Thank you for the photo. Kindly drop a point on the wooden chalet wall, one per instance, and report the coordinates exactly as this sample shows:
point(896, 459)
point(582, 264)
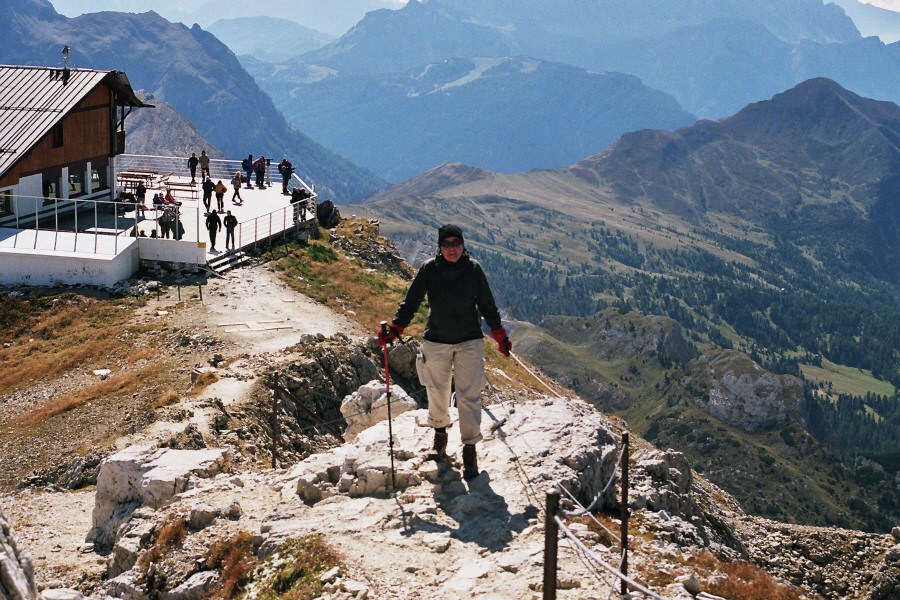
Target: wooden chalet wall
point(88, 135)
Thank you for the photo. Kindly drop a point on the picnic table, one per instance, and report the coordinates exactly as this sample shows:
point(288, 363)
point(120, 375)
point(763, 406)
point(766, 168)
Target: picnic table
point(129, 180)
point(166, 181)
point(177, 187)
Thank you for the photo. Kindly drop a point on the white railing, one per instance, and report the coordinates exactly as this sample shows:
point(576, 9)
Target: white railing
point(223, 169)
point(249, 233)
point(82, 218)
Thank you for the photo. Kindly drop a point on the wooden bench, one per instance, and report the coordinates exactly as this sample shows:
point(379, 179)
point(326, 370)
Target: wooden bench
point(177, 187)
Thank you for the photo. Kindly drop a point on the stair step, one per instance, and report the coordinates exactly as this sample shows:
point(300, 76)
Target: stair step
point(226, 262)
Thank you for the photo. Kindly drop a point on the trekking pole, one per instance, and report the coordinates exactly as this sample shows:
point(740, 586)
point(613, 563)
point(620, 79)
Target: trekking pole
point(387, 383)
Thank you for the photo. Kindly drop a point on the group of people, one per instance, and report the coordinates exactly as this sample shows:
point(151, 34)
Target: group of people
point(251, 167)
point(214, 225)
point(257, 167)
point(202, 161)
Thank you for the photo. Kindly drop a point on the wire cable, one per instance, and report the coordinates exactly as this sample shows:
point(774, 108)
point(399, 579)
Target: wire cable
point(532, 373)
point(631, 582)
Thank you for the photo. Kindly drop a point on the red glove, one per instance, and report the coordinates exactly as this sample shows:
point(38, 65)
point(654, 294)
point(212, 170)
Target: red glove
point(389, 334)
point(503, 342)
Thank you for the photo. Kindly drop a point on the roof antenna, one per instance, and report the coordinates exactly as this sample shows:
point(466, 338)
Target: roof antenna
point(65, 69)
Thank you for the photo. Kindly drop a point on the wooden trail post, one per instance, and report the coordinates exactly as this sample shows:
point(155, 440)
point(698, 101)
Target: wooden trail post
point(624, 514)
point(551, 538)
point(275, 432)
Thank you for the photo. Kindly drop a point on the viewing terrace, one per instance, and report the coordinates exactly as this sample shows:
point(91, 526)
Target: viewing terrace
point(101, 241)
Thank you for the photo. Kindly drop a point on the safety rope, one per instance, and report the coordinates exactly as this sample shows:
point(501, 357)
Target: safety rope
point(588, 552)
point(532, 373)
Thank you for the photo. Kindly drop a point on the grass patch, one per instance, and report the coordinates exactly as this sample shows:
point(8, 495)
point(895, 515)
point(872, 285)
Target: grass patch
point(302, 562)
point(371, 297)
point(235, 560)
point(167, 398)
point(204, 380)
point(741, 581)
point(166, 539)
point(847, 380)
point(124, 384)
point(51, 335)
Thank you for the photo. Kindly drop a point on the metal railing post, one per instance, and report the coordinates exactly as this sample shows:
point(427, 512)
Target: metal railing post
point(551, 538)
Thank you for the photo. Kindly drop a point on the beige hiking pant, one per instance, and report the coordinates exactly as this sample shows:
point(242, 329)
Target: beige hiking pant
point(463, 364)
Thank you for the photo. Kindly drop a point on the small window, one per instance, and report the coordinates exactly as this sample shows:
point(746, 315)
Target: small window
point(98, 178)
point(51, 190)
point(57, 135)
point(76, 184)
point(5, 202)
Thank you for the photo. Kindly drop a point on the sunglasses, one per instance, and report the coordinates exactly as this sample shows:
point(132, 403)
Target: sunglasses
point(451, 243)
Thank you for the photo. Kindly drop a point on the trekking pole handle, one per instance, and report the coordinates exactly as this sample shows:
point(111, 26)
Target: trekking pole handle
point(384, 328)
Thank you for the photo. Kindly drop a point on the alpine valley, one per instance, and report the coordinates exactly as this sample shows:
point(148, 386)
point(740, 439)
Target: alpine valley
point(730, 288)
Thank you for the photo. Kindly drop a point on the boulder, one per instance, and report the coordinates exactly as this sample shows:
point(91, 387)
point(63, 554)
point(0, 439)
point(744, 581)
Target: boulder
point(197, 587)
point(368, 405)
point(146, 476)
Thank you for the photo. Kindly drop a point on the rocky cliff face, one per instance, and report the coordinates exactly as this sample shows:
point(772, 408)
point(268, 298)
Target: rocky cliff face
point(743, 394)
point(16, 573)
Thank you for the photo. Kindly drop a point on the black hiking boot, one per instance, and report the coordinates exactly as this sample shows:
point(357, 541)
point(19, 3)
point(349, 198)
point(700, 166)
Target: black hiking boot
point(440, 444)
point(470, 462)
point(440, 441)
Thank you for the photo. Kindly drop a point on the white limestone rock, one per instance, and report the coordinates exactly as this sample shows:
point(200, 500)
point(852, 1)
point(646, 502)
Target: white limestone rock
point(16, 572)
point(61, 594)
point(146, 476)
point(745, 395)
point(368, 405)
point(198, 586)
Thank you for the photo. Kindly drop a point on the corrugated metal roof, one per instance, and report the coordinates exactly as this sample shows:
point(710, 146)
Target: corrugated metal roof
point(34, 99)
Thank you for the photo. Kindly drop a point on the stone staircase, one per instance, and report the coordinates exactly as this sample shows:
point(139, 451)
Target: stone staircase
point(228, 261)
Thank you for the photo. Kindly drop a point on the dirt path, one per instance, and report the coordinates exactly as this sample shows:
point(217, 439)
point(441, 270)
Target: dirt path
point(253, 316)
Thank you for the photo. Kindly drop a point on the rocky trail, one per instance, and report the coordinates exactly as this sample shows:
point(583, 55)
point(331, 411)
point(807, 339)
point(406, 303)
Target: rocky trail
point(429, 535)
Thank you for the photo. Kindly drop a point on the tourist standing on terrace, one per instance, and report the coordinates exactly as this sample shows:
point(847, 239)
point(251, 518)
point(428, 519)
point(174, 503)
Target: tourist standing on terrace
point(204, 164)
point(260, 167)
point(247, 165)
point(236, 184)
point(220, 190)
point(192, 166)
point(208, 187)
point(230, 223)
point(213, 225)
point(286, 169)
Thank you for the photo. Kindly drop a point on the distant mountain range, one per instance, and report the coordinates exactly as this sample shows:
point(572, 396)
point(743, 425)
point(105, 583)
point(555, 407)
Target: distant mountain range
point(799, 193)
point(713, 57)
point(405, 90)
point(328, 16)
point(505, 114)
point(188, 69)
point(872, 20)
point(268, 39)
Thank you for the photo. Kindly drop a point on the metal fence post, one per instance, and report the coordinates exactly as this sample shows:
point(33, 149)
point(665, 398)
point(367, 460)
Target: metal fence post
point(624, 513)
point(275, 432)
point(551, 537)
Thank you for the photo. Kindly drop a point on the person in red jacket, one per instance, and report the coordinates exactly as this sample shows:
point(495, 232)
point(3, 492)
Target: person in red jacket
point(452, 352)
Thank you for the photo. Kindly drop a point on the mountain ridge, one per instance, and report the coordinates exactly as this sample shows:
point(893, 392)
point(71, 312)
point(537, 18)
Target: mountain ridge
point(486, 111)
point(187, 68)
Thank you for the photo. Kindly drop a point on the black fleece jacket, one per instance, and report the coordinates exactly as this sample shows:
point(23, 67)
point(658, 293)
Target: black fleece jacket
point(458, 295)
